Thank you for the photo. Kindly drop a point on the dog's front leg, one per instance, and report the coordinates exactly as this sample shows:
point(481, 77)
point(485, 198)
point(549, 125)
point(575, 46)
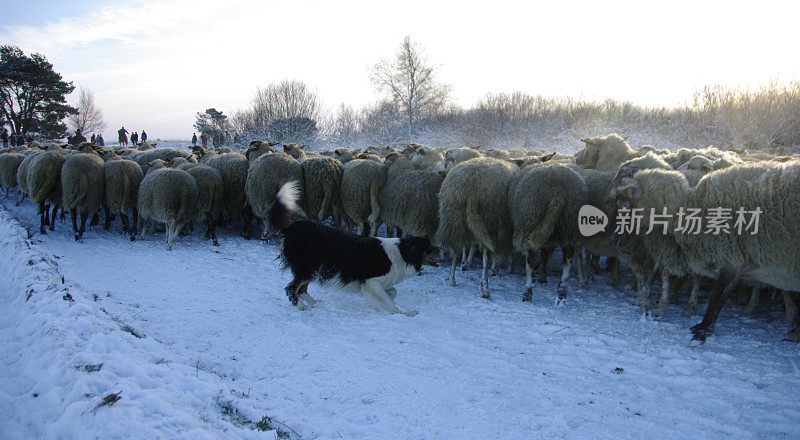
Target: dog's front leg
point(374, 290)
point(392, 292)
point(305, 297)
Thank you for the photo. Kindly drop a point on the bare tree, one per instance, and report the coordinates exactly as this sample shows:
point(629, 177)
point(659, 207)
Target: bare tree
point(411, 83)
point(344, 126)
point(89, 118)
point(283, 111)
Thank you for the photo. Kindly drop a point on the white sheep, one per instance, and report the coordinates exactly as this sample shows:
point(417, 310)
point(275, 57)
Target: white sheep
point(544, 201)
point(259, 148)
point(362, 182)
point(9, 164)
point(210, 197)
point(122, 180)
point(265, 177)
point(605, 153)
point(170, 196)
point(44, 185)
point(82, 186)
point(322, 177)
point(771, 256)
point(473, 207)
point(426, 157)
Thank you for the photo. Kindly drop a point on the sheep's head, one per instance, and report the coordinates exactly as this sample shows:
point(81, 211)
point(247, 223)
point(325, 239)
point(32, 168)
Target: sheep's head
point(587, 158)
point(199, 151)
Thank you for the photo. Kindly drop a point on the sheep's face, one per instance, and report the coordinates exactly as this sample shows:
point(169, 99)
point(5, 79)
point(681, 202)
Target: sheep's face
point(588, 157)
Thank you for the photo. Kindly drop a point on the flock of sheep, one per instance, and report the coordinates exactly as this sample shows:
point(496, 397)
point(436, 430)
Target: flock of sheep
point(501, 203)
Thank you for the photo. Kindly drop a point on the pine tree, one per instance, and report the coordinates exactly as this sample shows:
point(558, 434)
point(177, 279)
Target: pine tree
point(32, 94)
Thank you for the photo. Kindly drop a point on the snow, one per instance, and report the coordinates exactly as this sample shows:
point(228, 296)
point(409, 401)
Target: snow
point(219, 347)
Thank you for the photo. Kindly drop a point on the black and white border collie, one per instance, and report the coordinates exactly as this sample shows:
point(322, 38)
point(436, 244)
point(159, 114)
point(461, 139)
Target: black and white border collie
point(313, 250)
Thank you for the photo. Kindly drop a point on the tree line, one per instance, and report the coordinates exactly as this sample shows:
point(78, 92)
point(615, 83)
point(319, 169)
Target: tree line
point(417, 107)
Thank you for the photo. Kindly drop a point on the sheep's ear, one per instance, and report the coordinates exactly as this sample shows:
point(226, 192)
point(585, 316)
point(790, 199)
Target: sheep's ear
point(706, 168)
point(272, 144)
point(303, 146)
point(336, 151)
point(518, 162)
point(589, 142)
point(477, 147)
point(547, 157)
point(421, 150)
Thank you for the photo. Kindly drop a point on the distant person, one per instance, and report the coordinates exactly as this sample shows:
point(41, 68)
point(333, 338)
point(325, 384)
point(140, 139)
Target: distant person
point(134, 138)
point(123, 136)
point(93, 139)
point(144, 136)
point(76, 140)
point(13, 139)
point(4, 137)
point(100, 140)
point(204, 140)
point(194, 138)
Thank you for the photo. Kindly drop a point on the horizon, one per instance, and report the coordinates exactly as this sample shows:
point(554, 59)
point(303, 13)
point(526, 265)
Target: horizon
point(141, 59)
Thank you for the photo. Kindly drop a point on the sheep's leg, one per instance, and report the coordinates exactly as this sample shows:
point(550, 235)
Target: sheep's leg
point(133, 224)
point(84, 215)
point(742, 295)
point(107, 215)
point(547, 252)
point(593, 261)
point(247, 228)
point(373, 228)
point(612, 263)
point(511, 267)
point(17, 194)
point(485, 275)
point(569, 253)
point(529, 260)
point(95, 219)
point(639, 272)
point(170, 234)
point(579, 267)
point(663, 302)
point(753, 303)
point(469, 256)
point(652, 278)
point(791, 306)
point(360, 228)
point(690, 308)
point(725, 284)
point(125, 225)
point(211, 230)
point(451, 280)
point(53, 217)
point(495, 267)
point(42, 218)
point(73, 214)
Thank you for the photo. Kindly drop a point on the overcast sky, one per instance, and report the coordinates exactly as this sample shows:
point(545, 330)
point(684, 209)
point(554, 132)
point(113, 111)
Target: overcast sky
point(154, 64)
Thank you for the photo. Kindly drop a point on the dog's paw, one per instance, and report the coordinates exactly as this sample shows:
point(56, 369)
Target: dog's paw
point(411, 313)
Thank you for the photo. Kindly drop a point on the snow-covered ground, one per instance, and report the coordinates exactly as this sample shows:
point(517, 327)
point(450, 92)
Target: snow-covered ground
point(201, 343)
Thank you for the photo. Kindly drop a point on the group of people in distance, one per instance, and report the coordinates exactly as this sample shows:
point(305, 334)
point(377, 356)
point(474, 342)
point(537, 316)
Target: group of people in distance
point(135, 137)
point(14, 138)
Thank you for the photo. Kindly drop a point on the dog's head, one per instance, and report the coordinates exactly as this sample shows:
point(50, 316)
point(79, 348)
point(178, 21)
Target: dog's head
point(417, 251)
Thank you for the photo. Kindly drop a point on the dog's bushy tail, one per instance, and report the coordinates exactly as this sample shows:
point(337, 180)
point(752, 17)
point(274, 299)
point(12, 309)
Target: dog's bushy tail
point(280, 213)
